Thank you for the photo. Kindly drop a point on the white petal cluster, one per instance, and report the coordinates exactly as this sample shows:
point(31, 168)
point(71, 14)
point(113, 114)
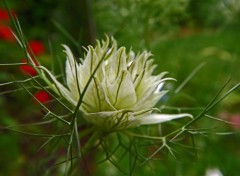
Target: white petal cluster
point(121, 88)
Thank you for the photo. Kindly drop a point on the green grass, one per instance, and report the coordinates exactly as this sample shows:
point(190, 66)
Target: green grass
point(181, 55)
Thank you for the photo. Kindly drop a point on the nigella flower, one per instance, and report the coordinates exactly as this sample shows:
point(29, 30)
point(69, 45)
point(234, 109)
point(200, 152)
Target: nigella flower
point(121, 88)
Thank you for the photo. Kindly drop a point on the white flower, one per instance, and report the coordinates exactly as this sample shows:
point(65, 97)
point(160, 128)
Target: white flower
point(213, 172)
point(121, 88)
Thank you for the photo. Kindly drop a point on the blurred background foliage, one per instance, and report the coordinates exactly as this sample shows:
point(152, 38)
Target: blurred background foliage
point(181, 34)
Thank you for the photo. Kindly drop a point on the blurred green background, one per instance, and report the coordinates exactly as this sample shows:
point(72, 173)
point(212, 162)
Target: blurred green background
point(181, 34)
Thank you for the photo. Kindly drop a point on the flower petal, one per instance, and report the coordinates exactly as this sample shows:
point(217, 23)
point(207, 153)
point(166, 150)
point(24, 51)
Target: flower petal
point(59, 87)
point(121, 93)
point(112, 119)
point(160, 118)
point(71, 70)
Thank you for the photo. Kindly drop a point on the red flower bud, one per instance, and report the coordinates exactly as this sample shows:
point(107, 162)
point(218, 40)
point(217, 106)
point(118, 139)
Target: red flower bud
point(36, 47)
point(27, 69)
point(4, 15)
point(42, 96)
point(6, 34)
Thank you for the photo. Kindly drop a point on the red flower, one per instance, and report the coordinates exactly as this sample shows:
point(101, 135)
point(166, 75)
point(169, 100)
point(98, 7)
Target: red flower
point(27, 69)
point(36, 47)
point(235, 118)
point(6, 34)
point(42, 96)
point(4, 15)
